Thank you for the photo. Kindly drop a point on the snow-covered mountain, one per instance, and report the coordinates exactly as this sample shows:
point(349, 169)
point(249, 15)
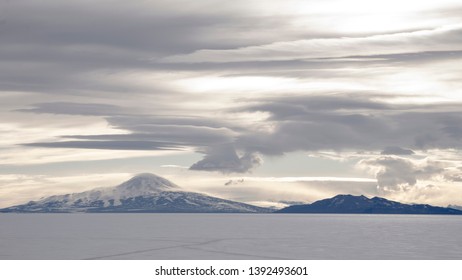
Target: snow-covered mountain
point(142, 193)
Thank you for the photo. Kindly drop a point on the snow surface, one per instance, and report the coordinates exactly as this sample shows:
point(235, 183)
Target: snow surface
point(229, 236)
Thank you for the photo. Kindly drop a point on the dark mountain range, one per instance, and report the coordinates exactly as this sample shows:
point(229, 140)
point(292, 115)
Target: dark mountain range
point(349, 204)
point(457, 207)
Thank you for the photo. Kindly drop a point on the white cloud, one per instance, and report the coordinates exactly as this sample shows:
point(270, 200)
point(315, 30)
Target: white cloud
point(438, 39)
point(395, 173)
point(309, 179)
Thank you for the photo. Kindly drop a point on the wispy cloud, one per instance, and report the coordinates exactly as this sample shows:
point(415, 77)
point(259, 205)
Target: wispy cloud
point(438, 39)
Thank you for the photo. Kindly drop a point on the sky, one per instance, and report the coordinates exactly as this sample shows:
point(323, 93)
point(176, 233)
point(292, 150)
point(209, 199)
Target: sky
point(266, 102)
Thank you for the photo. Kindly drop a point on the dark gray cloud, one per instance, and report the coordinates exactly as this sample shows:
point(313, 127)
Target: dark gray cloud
point(175, 135)
point(397, 151)
point(326, 68)
point(397, 174)
point(342, 122)
point(358, 122)
point(445, 38)
point(152, 27)
point(148, 123)
point(68, 108)
point(146, 132)
point(454, 175)
point(192, 132)
point(234, 182)
point(224, 158)
point(58, 46)
point(415, 57)
point(304, 104)
point(108, 145)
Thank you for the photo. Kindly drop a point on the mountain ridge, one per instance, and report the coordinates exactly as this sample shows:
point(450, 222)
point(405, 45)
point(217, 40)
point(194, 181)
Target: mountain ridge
point(350, 204)
point(457, 207)
point(149, 193)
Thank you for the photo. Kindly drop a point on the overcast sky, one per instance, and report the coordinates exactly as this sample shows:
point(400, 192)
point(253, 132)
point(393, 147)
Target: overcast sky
point(266, 102)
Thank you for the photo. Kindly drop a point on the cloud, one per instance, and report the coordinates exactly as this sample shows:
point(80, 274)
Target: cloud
point(393, 172)
point(438, 39)
point(397, 174)
point(351, 122)
point(274, 86)
point(173, 166)
point(234, 182)
point(107, 145)
point(454, 174)
point(224, 158)
point(70, 108)
point(397, 151)
point(337, 122)
point(48, 48)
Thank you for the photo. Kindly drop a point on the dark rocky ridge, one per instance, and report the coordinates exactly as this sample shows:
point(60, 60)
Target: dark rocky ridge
point(350, 204)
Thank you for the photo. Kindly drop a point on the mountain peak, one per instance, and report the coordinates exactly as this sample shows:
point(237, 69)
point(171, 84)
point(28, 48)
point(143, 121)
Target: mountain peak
point(150, 178)
point(346, 198)
point(147, 183)
point(340, 196)
point(147, 176)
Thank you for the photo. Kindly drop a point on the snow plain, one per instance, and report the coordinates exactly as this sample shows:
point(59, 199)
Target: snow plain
point(229, 236)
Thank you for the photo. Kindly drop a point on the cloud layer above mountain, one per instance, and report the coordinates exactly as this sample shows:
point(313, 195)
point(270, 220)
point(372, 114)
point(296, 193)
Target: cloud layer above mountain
point(228, 85)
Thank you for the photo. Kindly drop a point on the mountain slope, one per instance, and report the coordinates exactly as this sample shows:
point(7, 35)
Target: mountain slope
point(457, 207)
point(349, 204)
point(144, 193)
